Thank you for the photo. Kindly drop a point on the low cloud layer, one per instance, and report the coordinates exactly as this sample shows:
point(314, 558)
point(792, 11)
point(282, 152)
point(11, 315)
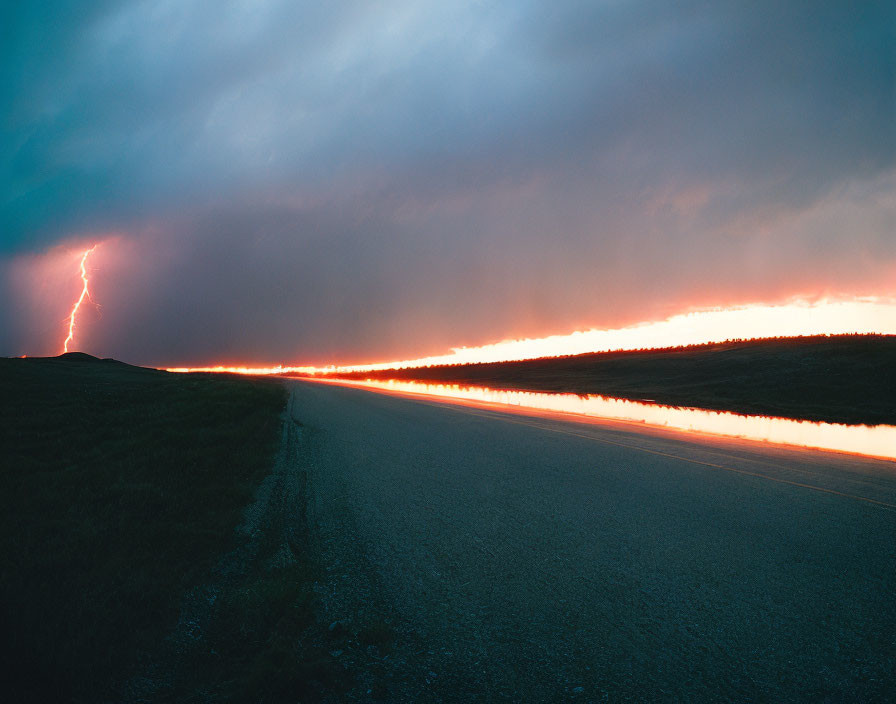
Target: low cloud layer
point(353, 181)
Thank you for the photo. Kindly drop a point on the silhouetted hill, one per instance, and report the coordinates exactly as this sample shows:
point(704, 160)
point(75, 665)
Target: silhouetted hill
point(840, 379)
point(81, 357)
point(77, 357)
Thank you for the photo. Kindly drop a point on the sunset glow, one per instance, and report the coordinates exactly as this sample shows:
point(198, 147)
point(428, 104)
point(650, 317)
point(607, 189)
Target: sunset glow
point(873, 441)
point(861, 315)
point(84, 294)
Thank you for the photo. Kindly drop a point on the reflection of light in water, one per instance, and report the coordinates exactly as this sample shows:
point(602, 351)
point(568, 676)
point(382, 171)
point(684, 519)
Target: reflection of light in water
point(869, 315)
point(876, 441)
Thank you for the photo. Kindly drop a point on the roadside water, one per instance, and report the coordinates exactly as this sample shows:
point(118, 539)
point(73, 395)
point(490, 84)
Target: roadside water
point(873, 441)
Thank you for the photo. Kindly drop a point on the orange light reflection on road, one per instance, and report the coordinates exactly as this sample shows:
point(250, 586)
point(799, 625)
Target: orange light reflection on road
point(863, 315)
point(873, 441)
point(84, 294)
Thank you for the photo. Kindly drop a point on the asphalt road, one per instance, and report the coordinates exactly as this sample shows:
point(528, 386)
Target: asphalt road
point(475, 555)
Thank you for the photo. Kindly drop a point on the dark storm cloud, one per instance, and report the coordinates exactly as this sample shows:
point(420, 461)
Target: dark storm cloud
point(345, 179)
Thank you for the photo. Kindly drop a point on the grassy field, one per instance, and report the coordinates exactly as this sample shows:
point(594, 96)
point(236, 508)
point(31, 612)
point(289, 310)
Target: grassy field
point(120, 490)
point(844, 379)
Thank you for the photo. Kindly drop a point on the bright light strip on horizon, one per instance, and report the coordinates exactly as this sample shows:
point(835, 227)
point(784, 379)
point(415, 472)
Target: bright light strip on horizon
point(874, 441)
point(862, 315)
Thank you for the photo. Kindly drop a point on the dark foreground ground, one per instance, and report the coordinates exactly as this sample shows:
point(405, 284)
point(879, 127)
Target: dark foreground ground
point(123, 574)
point(518, 558)
point(184, 538)
point(845, 379)
point(526, 559)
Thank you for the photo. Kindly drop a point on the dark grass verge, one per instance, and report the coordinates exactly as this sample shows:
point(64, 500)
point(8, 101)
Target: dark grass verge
point(120, 490)
point(251, 631)
point(258, 642)
point(840, 379)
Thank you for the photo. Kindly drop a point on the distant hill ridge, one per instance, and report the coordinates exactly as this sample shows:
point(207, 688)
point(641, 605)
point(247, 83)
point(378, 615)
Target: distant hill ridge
point(840, 379)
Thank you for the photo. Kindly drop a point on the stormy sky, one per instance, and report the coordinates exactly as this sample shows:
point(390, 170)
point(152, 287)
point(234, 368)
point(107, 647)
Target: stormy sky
point(277, 181)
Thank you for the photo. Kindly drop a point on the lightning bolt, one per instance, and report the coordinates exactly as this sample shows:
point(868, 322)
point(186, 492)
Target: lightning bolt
point(84, 294)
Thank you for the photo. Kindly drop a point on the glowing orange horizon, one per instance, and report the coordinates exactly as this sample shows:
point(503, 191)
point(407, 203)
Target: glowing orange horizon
point(871, 315)
point(84, 294)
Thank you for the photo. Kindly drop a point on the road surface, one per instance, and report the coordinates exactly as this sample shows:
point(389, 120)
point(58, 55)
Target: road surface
point(470, 554)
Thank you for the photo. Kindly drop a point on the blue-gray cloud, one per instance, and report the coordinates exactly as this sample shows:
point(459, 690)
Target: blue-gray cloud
point(375, 153)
